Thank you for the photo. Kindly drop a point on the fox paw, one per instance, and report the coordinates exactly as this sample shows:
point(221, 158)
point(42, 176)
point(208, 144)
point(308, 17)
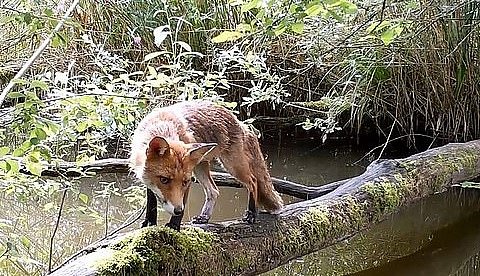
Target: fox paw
point(249, 217)
point(147, 223)
point(173, 226)
point(200, 219)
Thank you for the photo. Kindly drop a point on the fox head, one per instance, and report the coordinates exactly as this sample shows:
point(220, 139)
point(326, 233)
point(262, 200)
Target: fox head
point(168, 170)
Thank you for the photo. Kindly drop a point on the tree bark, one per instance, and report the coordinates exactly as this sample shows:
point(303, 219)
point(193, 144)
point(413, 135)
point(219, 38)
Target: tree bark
point(236, 248)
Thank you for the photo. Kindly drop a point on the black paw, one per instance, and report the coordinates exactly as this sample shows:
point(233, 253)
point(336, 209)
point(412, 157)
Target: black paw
point(249, 217)
point(147, 223)
point(200, 219)
point(173, 226)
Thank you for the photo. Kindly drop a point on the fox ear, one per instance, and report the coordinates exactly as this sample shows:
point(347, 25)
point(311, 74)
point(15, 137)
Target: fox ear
point(158, 146)
point(198, 151)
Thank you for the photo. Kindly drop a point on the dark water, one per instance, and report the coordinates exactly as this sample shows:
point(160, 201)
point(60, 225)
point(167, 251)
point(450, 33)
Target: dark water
point(436, 236)
point(438, 233)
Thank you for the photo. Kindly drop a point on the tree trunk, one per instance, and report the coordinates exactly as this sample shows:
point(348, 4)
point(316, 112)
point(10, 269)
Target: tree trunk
point(233, 247)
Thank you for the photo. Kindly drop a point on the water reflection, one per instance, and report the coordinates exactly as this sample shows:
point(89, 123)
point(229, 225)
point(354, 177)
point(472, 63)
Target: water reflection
point(453, 250)
point(430, 227)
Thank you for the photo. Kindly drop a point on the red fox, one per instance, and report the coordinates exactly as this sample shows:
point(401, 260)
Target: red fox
point(173, 142)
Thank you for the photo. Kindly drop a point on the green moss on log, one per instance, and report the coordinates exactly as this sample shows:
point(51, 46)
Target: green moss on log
point(317, 226)
point(157, 250)
point(385, 195)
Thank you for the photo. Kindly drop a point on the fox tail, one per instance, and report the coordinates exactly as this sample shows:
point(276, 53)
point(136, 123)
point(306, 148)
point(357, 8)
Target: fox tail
point(267, 196)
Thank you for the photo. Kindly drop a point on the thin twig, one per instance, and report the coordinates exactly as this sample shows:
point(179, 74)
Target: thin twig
point(38, 52)
point(386, 142)
point(396, 138)
point(106, 215)
point(52, 238)
point(130, 220)
point(5, 252)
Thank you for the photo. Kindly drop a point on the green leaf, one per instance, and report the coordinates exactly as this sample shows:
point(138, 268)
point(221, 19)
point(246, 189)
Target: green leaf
point(123, 120)
point(389, 35)
point(34, 156)
point(26, 145)
point(13, 166)
point(10, 189)
point(378, 26)
point(27, 18)
point(297, 27)
point(20, 81)
point(45, 152)
point(280, 29)
point(130, 117)
point(16, 95)
point(251, 5)
point(243, 28)
point(4, 151)
point(48, 12)
point(48, 206)
point(314, 10)
point(34, 167)
point(227, 36)
point(348, 7)
point(40, 133)
point(25, 241)
point(3, 166)
point(82, 126)
point(83, 197)
point(56, 41)
point(18, 152)
point(34, 141)
point(52, 128)
point(294, 8)
point(39, 84)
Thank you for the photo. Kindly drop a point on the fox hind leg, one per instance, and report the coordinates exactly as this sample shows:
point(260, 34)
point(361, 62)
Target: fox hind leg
point(239, 167)
point(251, 213)
point(202, 173)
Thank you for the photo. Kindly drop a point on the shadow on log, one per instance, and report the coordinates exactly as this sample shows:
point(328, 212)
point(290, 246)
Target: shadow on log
point(233, 247)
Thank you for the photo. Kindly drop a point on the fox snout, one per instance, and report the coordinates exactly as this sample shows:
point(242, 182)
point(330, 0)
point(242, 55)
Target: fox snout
point(178, 210)
point(174, 210)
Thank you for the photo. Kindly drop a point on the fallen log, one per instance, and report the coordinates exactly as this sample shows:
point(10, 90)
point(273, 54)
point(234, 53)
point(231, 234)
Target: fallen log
point(115, 165)
point(236, 248)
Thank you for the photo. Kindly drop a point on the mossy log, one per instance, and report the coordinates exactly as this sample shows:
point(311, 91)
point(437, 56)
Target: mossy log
point(236, 248)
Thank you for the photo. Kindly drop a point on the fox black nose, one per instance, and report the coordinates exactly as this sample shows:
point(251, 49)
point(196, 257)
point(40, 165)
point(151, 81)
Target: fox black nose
point(178, 210)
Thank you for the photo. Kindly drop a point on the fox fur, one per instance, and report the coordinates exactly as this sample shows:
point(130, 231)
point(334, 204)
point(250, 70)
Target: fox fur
point(172, 143)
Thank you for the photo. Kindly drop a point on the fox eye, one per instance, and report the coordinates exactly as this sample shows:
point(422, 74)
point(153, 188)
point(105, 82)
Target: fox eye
point(164, 180)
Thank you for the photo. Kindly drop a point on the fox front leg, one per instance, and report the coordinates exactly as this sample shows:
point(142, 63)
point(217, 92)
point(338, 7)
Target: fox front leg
point(202, 173)
point(175, 222)
point(151, 210)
